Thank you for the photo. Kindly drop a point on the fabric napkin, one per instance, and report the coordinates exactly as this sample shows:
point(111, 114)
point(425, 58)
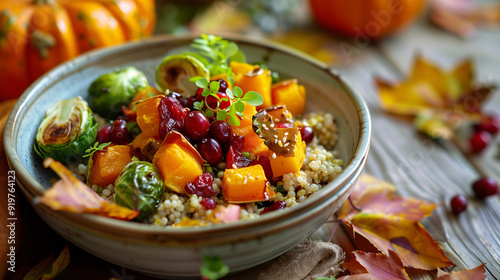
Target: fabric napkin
point(307, 261)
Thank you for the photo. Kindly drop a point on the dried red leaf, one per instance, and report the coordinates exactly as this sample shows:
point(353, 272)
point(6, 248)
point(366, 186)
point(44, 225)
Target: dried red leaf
point(70, 194)
point(477, 273)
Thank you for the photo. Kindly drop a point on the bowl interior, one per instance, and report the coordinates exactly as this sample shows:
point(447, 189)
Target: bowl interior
point(325, 93)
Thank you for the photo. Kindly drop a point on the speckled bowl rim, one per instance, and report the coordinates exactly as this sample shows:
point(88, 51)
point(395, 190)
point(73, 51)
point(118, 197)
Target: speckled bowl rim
point(111, 225)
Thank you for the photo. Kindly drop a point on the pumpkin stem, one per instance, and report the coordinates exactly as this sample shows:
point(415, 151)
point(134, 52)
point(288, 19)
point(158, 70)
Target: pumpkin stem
point(43, 2)
point(42, 42)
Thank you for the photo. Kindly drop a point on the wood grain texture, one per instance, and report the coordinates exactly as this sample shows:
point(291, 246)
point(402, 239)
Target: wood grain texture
point(427, 170)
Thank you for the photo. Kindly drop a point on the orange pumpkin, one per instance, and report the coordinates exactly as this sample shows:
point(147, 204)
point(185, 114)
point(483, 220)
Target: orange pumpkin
point(36, 35)
point(365, 19)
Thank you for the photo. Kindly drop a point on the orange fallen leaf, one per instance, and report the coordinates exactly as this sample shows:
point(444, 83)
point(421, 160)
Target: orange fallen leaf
point(50, 267)
point(440, 100)
point(477, 273)
point(376, 266)
point(392, 223)
point(71, 194)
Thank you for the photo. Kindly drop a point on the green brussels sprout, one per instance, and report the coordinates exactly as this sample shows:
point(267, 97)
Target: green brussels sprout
point(174, 72)
point(139, 186)
point(111, 91)
point(67, 131)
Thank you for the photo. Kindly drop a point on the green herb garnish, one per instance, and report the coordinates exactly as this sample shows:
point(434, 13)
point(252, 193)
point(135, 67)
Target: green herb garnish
point(213, 268)
point(232, 113)
point(97, 147)
point(281, 190)
point(218, 52)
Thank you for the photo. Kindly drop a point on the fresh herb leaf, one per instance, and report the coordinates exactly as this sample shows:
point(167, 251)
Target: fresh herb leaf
point(198, 105)
point(253, 98)
point(222, 115)
point(97, 147)
point(213, 268)
point(201, 82)
point(326, 278)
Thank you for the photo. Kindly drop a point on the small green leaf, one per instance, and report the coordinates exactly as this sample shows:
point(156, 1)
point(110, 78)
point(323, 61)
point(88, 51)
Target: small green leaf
point(229, 93)
point(201, 83)
point(198, 105)
point(239, 57)
point(213, 268)
point(97, 147)
point(326, 278)
point(281, 190)
point(253, 98)
point(209, 113)
point(214, 87)
point(231, 79)
point(237, 91)
point(239, 106)
point(233, 120)
point(230, 50)
point(221, 115)
point(206, 92)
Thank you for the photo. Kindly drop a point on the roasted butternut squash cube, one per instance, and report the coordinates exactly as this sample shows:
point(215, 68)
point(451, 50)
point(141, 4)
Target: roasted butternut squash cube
point(289, 164)
point(290, 94)
point(253, 143)
point(178, 161)
point(253, 78)
point(148, 116)
point(247, 184)
point(107, 164)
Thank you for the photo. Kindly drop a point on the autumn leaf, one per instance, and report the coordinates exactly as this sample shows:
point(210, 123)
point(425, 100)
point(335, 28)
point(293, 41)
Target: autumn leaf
point(376, 265)
point(392, 223)
point(477, 273)
point(50, 267)
point(438, 100)
point(70, 194)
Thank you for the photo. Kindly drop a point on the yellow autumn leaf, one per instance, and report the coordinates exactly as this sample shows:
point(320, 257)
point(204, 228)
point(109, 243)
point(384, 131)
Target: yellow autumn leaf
point(440, 99)
point(50, 267)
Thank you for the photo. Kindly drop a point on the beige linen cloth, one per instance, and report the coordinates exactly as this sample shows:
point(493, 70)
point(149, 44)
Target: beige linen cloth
point(307, 261)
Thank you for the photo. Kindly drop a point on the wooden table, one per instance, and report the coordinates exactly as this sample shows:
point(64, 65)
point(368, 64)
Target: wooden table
point(426, 170)
point(419, 167)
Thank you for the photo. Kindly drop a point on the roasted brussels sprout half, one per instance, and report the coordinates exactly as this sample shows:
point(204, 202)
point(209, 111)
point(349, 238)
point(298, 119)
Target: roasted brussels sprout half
point(139, 186)
point(111, 91)
point(175, 71)
point(67, 131)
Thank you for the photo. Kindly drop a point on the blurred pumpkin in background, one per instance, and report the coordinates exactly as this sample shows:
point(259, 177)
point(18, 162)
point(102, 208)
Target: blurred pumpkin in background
point(367, 18)
point(36, 35)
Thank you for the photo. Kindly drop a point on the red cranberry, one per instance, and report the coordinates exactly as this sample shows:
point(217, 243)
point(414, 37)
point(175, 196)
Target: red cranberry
point(479, 141)
point(237, 141)
point(278, 205)
point(489, 124)
point(208, 203)
point(220, 131)
point(222, 85)
point(235, 159)
point(119, 133)
point(307, 134)
point(103, 134)
point(264, 161)
point(196, 125)
point(210, 150)
point(202, 186)
point(458, 203)
point(212, 101)
point(485, 187)
point(166, 126)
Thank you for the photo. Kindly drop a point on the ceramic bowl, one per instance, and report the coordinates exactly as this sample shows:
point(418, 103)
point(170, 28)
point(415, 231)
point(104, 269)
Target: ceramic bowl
point(178, 252)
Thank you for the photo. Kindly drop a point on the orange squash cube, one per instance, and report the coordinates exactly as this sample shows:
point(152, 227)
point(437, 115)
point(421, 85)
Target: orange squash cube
point(253, 143)
point(107, 164)
point(248, 184)
point(290, 94)
point(283, 165)
point(178, 161)
point(253, 78)
point(148, 116)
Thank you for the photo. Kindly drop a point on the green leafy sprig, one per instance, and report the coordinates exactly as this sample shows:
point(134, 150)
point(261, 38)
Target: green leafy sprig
point(97, 147)
point(216, 53)
point(213, 268)
point(232, 113)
